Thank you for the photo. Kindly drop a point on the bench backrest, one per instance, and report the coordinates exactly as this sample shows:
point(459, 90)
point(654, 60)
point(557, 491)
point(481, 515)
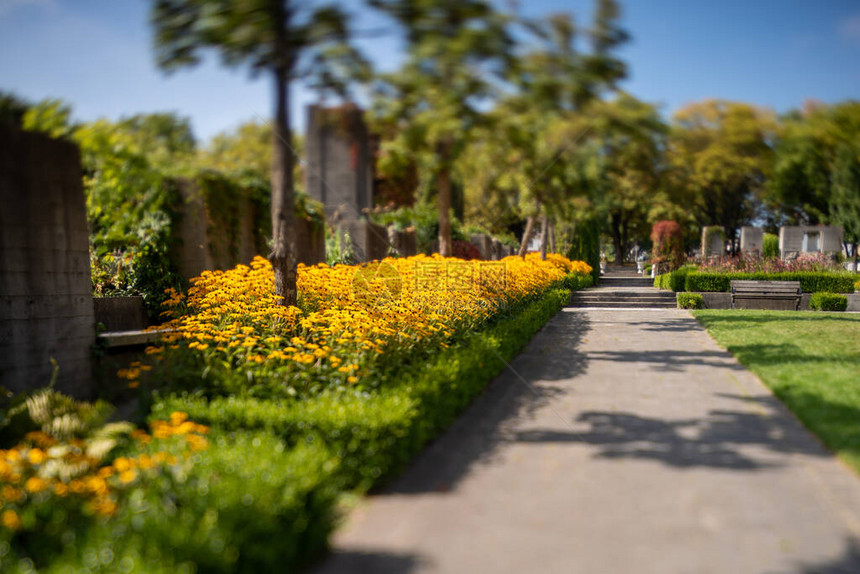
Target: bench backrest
point(746, 286)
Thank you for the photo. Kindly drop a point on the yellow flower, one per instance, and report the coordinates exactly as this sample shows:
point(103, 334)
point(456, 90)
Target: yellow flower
point(10, 519)
point(123, 464)
point(10, 493)
point(178, 417)
point(36, 456)
point(127, 476)
point(35, 484)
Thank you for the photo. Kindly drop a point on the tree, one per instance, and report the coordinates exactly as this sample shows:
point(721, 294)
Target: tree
point(12, 109)
point(720, 156)
point(631, 135)
point(534, 131)
point(433, 97)
point(285, 41)
point(813, 152)
point(845, 198)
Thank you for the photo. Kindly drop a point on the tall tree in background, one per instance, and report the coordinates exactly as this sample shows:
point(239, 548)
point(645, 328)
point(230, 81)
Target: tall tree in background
point(535, 130)
point(451, 45)
point(812, 152)
point(720, 154)
point(284, 39)
point(845, 198)
point(631, 136)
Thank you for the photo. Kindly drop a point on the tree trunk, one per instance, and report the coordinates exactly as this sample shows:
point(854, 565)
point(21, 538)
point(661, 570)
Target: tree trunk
point(551, 237)
point(527, 235)
point(616, 239)
point(283, 256)
point(544, 232)
point(445, 247)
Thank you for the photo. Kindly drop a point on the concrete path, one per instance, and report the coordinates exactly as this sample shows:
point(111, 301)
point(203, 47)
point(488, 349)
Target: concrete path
point(620, 441)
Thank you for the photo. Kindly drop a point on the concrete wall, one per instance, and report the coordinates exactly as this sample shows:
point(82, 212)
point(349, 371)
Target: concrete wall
point(339, 169)
point(310, 240)
point(752, 238)
point(404, 242)
point(46, 307)
point(201, 245)
point(484, 243)
point(369, 241)
point(120, 313)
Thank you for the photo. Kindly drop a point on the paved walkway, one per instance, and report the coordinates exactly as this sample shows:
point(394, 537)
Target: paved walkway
point(620, 441)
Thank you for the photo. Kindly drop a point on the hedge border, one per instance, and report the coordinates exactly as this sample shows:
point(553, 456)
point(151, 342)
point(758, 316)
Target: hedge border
point(810, 281)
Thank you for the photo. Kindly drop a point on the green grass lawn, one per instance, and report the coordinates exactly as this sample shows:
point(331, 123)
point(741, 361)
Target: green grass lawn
point(811, 361)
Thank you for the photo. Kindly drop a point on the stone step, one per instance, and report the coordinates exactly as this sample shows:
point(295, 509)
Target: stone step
point(610, 293)
point(630, 282)
point(624, 305)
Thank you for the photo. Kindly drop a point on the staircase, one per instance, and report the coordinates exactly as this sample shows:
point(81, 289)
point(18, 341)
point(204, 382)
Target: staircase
point(622, 287)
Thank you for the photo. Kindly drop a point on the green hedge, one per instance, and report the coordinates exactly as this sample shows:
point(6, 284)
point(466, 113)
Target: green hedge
point(690, 301)
point(373, 434)
point(674, 280)
point(810, 281)
point(823, 301)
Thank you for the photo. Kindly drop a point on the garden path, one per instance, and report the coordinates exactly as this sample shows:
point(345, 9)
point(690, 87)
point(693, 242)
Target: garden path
point(618, 441)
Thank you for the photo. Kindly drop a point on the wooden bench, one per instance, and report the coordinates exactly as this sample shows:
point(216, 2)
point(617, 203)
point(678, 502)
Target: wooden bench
point(776, 295)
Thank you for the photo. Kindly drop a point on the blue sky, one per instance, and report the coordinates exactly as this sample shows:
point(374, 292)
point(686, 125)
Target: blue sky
point(97, 55)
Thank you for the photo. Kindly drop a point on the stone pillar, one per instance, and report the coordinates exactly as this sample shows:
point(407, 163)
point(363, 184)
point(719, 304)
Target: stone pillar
point(496, 250)
point(713, 241)
point(46, 304)
point(484, 243)
point(752, 238)
point(339, 170)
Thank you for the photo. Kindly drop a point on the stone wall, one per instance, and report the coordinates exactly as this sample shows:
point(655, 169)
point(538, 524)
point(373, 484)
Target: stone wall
point(404, 242)
point(310, 240)
point(46, 307)
point(369, 242)
point(797, 239)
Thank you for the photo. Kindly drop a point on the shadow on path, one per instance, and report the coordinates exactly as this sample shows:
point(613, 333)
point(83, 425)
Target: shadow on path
point(524, 387)
point(673, 360)
point(847, 563)
point(714, 441)
point(358, 562)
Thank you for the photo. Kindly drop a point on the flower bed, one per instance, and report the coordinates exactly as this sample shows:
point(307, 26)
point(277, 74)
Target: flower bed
point(227, 335)
point(255, 489)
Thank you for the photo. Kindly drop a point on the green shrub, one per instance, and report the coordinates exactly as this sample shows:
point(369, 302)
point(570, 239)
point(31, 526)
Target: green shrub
point(690, 301)
point(823, 301)
point(576, 282)
point(770, 245)
point(585, 245)
point(810, 281)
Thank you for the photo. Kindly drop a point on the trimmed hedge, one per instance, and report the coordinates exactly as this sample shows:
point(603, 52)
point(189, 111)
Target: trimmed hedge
point(690, 301)
point(674, 280)
point(373, 434)
point(828, 302)
point(810, 281)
